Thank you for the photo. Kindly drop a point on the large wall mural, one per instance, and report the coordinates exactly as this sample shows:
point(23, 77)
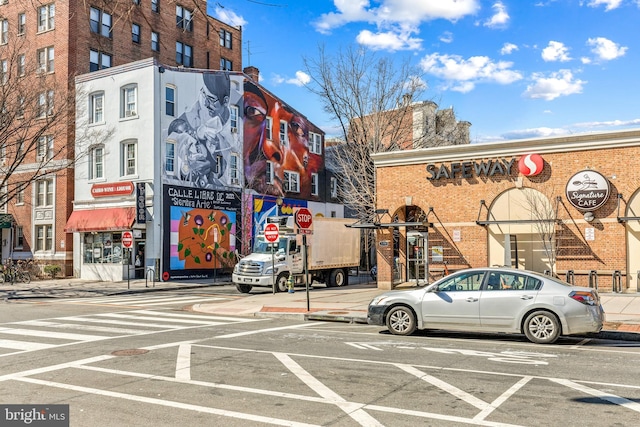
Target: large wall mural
point(284, 151)
point(204, 137)
point(200, 231)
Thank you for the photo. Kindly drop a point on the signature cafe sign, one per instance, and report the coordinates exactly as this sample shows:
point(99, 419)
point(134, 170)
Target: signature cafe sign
point(470, 169)
point(587, 190)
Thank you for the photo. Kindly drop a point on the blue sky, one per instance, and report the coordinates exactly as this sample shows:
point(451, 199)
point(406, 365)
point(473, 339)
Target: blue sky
point(513, 68)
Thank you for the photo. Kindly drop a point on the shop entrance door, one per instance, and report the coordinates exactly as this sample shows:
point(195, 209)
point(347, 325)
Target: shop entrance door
point(416, 256)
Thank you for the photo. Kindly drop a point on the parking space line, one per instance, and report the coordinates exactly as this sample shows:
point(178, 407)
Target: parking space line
point(629, 404)
point(502, 398)
point(183, 363)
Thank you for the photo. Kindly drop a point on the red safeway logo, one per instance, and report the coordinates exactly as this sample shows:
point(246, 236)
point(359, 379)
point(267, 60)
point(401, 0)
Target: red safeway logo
point(530, 165)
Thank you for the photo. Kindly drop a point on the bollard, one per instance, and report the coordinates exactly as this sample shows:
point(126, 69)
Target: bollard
point(593, 279)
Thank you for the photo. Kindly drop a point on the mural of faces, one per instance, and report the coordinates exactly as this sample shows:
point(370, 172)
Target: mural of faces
point(202, 135)
point(276, 145)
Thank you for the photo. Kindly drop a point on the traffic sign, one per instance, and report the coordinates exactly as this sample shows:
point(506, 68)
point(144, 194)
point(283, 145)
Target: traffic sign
point(127, 239)
point(271, 232)
point(304, 220)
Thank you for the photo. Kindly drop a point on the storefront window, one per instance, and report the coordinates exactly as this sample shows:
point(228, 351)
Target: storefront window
point(102, 248)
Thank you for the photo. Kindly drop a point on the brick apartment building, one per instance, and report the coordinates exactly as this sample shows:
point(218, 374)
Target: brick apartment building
point(63, 39)
point(567, 205)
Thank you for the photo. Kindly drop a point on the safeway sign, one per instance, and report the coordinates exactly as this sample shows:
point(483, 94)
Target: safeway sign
point(304, 221)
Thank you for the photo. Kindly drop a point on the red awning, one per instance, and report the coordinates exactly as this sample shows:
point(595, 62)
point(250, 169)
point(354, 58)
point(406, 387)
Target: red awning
point(110, 219)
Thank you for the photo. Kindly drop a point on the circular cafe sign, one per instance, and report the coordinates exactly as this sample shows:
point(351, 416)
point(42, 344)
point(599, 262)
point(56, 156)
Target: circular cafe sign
point(588, 190)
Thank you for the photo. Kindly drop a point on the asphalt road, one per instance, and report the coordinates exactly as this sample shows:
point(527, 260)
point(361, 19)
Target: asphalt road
point(126, 363)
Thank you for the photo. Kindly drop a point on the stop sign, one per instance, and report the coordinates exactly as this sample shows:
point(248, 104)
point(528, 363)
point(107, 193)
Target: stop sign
point(271, 232)
point(127, 239)
point(304, 218)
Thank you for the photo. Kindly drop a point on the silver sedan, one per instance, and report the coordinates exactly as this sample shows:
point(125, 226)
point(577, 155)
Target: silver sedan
point(492, 300)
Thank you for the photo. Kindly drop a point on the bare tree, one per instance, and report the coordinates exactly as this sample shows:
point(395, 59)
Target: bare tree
point(370, 98)
point(542, 205)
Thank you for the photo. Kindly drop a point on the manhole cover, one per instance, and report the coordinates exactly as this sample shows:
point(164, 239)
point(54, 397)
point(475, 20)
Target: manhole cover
point(130, 352)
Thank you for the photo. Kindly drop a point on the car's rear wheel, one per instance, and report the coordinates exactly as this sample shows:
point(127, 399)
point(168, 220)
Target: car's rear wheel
point(542, 327)
point(401, 321)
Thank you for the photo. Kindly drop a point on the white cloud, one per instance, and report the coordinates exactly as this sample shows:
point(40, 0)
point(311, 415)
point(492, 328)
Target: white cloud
point(541, 132)
point(499, 18)
point(388, 41)
point(230, 17)
point(605, 49)
point(446, 37)
point(395, 20)
point(556, 51)
point(463, 74)
point(508, 48)
point(561, 83)
point(609, 4)
point(608, 124)
point(300, 79)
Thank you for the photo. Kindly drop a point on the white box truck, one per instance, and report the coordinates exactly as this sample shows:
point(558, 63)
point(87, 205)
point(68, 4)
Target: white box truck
point(333, 249)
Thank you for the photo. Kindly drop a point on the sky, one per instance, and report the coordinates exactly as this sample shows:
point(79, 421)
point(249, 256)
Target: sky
point(512, 68)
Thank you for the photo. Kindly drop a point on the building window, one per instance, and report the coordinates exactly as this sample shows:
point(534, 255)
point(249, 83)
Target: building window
point(44, 192)
point(19, 244)
point(3, 154)
point(291, 182)
point(315, 143)
point(135, 33)
point(268, 130)
point(44, 237)
point(45, 104)
point(155, 6)
point(283, 133)
point(44, 148)
point(100, 22)
point(170, 101)
point(136, 2)
point(4, 73)
point(20, 197)
point(184, 54)
point(22, 24)
point(96, 108)
point(46, 17)
point(334, 187)
point(269, 174)
point(129, 101)
point(226, 65)
point(4, 31)
point(233, 169)
point(225, 39)
point(21, 65)
point(314, 184)
point(155, 41)
point(170, 156)
point(233, 118)
point(128, 158)
point(96, 163)
point(99, 60)
point(184, 18)
point(46, 60)
point(102, 248)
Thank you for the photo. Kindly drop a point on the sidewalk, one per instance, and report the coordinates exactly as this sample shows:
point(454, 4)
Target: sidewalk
point(346, 304)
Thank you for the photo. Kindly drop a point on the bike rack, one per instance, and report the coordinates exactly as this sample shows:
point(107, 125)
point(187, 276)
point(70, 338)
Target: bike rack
point(616, 281)
point(571, 279)
point(593, 279)
point(153, 277)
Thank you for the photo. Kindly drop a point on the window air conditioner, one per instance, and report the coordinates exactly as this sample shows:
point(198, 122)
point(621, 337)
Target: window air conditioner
point(131, 113)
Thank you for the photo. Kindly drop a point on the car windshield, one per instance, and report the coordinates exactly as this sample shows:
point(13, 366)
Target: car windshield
point(264, 247)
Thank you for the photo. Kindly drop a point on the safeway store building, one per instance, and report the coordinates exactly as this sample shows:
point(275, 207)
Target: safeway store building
point(568, 205)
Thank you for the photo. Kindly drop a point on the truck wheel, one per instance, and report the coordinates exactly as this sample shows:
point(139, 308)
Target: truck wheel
point(337, 278)
point(281, 282)
point(245, 289)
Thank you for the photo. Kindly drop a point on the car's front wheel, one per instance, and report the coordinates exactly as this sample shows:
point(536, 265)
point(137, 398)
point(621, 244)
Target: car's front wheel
point(401, 321)
point(542, 327)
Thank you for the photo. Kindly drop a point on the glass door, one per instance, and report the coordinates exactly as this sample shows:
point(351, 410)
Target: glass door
point(416, 256)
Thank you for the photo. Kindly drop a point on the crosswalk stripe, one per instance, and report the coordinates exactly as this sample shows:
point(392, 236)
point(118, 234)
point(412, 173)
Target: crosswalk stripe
point(137, 300)
point(123, 322)
point(24, 345)
point(148, 304)
point(83, 327)
point(196, 316)
point(128, 316)
point(48, 334)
